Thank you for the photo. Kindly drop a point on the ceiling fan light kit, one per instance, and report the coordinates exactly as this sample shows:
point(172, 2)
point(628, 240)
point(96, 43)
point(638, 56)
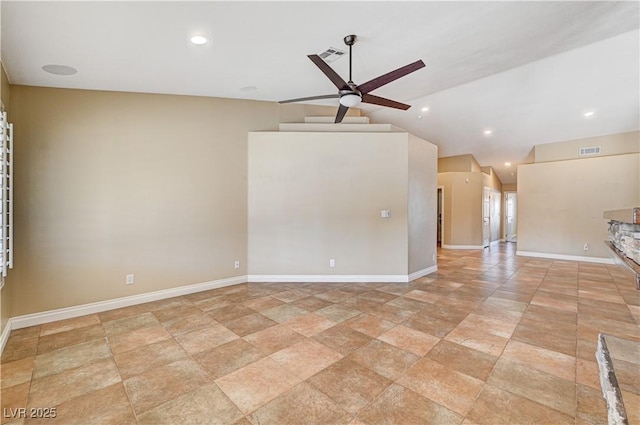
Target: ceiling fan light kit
point(351, 94)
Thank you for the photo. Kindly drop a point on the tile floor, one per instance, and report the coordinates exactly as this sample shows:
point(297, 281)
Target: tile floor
point(490, 338)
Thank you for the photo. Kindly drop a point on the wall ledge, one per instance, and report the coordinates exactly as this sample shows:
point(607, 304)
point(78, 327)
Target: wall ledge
point(34, 319)
point(550, 256)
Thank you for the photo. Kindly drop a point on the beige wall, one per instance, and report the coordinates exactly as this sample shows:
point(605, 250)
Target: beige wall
point(560, 204)
point(113, 183)
point(317, 196)
point(462, 226)
point(422, 208)
point(461, 163)
point(613, 144)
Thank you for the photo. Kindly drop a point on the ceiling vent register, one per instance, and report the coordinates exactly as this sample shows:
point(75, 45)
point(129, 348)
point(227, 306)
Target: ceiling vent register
point(595, 150)
point(331, 54)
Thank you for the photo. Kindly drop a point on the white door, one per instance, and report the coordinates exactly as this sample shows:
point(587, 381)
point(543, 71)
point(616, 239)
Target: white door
point(486, 217)
point(510, 216)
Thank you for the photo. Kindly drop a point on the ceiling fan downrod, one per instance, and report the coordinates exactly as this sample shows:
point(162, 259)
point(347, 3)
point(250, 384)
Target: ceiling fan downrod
point(350, 41)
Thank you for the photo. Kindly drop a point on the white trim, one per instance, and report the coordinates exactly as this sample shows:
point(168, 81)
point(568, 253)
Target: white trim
point(423, 272)
point(462, 246)
point(5, 335)
point(566, 257)
point(378, 278)
point(494, 243)
point(27, 320)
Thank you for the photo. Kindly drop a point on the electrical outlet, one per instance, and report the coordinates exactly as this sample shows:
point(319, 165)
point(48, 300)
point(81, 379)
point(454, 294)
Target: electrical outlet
point(332, 263)
point(129, 280)
point(586, 247)
point(433, 257)
point(236, 264)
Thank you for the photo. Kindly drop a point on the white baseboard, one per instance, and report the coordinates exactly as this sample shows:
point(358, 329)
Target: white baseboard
point(565, 257)
point(27, 320)
point(462, 246)
point(5, 335)
point(423, 272)
point(378, 278)
point(494, 243)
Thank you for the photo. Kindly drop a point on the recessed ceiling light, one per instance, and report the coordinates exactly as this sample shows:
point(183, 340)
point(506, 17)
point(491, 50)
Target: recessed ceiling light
point(425, 109)
point(589, 114)
point(199, 40)
point(419, 117)
point(59, 69)
point(488, 132)
point(249, 88)
point(507, 164)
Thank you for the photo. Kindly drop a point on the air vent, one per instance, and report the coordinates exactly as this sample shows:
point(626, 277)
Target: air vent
point(595, 150)
point(331, 54)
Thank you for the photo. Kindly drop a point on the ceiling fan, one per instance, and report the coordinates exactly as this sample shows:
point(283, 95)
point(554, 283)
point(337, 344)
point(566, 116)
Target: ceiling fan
point(351, 94)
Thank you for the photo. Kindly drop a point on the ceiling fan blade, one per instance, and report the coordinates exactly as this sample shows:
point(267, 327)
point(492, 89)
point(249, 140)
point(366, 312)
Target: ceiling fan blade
point(329, 72)
point(382, 101)
point(342, 111)
point(300, 99)
point(390, 76)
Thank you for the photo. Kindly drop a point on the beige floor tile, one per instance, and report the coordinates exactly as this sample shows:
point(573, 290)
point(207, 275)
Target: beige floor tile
point(227, 358)
point(449, 388)
point(164, 383)
point(230, 312)
point(140, 360)
point(399, 405)
point(539, 358)
point(284, 313)
point(337, 313)
point(68, 338)
point(541, 387)
point(273, 339)
point(478, 340)
point(384, 359)
point(18, 348)
point(591, 408)
point(263, 303)
point(256, 384)
point(310, 324)
point(489, 325)
point(306, 358)
point(411, 340)
point(128, 324)
point(121, 343)
point(311, 303)
point(249, 324)
point(55, 389)
point(342, 339)
point(370, 325)
point(105, 406)
point(463, 359)
point(68, 324)
point(12, 400)
point(302, 404)
point(351, 385)
point(497, 406)
point(207, 404)
point(189, 323)
point(205, 338)
point(16, 372)
point(53, 362)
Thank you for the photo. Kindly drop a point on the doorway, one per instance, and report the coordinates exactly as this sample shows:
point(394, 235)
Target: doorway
point(510, 216)
point(486, 217)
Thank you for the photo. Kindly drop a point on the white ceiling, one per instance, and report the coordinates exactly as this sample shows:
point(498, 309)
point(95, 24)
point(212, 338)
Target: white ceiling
point(526, 70)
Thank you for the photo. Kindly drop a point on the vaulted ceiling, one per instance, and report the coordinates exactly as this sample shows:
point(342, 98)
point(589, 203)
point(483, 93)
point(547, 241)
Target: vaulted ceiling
point(526, 71)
